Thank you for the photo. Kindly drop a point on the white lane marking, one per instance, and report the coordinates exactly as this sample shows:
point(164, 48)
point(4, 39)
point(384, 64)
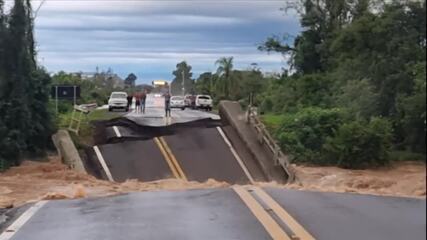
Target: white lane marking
point(103, 164)
point(116, 130)
point(239, 160)
point(14, 228)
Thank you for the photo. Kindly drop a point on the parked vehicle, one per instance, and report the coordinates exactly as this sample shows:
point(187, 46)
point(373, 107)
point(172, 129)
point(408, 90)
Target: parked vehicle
point(118, 100)
point(190, 101)
point(177, 102)
point(204, 102)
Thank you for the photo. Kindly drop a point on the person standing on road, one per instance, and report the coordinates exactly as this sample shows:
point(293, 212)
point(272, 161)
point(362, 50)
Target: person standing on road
point(129, 98)
point(193, 101)
point(137, 102)
point(143, 98)
point(167, 97)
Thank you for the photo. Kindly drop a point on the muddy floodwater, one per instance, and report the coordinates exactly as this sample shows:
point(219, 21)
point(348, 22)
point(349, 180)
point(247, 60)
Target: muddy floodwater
point(33, 181)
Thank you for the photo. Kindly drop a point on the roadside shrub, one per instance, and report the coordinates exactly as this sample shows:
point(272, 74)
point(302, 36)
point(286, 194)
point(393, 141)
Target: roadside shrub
point(266, 105)
point(360, 144)
point(303, 134)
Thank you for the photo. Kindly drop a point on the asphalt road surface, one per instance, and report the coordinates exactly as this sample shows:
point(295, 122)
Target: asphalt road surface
point(203, 154)
point(141, 160)
point(155, 114)
point(225, 214)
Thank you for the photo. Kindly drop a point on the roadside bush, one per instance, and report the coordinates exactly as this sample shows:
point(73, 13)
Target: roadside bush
point(412, 110)
point(303, 134)
point(267, 105)
point(360, 144)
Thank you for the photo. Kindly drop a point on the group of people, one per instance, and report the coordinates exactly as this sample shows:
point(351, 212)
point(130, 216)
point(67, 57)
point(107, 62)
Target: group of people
point(140, 102)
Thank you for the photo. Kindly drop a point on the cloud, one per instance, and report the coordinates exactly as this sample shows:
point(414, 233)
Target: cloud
point(150, 37)
point(132, 23)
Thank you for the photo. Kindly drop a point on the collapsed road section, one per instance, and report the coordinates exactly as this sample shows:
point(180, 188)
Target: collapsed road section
point(196, 151)
point(193, 151)
point(191, 145)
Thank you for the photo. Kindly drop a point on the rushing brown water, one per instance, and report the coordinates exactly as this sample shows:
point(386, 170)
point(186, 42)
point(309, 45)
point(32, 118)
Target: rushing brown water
point(33, 181)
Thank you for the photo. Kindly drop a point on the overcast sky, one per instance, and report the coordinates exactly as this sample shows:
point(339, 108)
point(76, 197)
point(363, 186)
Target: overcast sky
point(149, 38)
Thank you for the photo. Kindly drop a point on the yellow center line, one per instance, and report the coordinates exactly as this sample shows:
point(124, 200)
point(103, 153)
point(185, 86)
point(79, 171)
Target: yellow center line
point(173, 159)
point(272, 227)
point(167, 158)
point(294, 226)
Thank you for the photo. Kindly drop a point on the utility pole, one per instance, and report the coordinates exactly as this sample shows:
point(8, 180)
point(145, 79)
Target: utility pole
point(183, 83)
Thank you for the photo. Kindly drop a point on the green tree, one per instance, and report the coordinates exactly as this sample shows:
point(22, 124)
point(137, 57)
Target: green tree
point(225, 71)
point(412, 109)
point(3, 35)
point(246, 82)
point(383, 48)
point(205, 83)
point(42, 126)
point(182, 73)
point(18, 68)
point(25, 124)
point(320, 19)
point(360, 99)
point(130, 80)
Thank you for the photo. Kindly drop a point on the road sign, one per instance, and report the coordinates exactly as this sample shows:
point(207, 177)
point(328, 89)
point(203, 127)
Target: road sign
point(65, 91)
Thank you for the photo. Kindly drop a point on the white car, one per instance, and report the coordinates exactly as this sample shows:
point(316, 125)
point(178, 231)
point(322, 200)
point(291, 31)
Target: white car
point(118, 100)
point(177, 102)
point(204, 102)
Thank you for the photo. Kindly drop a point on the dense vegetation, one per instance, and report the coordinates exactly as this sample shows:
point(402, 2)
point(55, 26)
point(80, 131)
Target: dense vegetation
point(356, 88)
point(25, 122)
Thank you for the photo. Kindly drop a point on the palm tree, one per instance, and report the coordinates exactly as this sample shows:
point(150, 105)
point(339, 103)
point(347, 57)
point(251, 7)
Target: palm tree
point(225, 70)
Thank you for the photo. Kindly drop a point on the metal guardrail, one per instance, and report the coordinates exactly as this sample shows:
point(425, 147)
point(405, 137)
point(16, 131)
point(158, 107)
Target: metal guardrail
point(265, 138)
point(77, 115)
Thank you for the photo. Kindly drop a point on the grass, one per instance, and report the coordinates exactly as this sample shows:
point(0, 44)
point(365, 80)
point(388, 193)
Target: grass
point(86, 129)
point(407, 156)
point(272, 121)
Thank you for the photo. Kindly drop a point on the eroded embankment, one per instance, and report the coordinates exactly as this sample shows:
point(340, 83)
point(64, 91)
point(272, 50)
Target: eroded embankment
point(33, 181)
